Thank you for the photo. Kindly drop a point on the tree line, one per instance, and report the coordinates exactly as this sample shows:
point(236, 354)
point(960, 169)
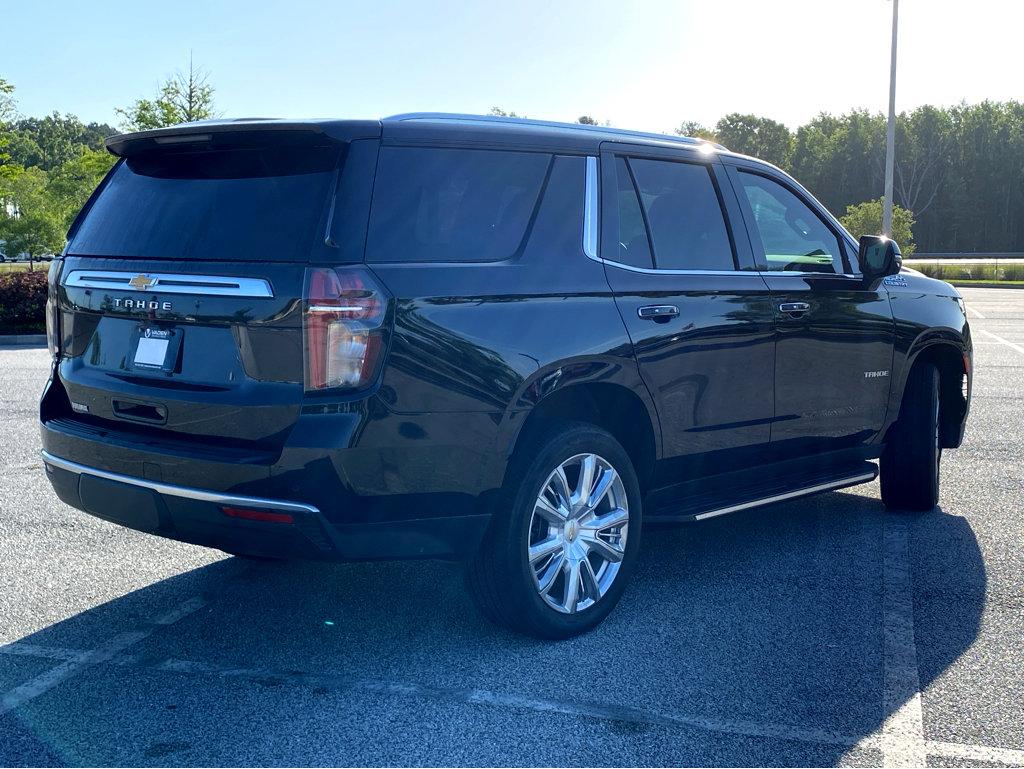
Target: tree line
point(959, 171)
point(959, 176)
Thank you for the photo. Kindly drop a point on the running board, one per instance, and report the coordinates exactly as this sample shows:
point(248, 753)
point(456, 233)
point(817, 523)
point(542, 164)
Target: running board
point(817, 488)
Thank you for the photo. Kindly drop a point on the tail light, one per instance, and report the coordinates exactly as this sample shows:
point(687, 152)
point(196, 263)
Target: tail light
point(343, 323)
point(52, 308)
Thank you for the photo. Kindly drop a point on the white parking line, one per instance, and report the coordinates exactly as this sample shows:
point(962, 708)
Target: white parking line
point(976, 313)
point(43, 682)
point(1007, 342)
point(902, 732)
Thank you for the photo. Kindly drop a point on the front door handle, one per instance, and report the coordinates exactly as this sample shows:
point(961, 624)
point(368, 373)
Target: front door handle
point(794, 309)
point(661, 312)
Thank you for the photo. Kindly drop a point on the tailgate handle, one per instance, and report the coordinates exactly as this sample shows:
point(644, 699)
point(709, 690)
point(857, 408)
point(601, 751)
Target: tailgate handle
point(136, 411)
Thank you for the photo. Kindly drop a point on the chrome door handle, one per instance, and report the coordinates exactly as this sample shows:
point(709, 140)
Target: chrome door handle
point(658, 311)
point(794, 308)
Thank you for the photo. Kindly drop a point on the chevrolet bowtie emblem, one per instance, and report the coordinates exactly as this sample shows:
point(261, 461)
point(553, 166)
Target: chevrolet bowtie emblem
point(142, 282)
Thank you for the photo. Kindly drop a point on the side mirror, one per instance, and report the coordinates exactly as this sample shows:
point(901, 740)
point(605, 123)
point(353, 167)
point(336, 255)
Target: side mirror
point(879, 256)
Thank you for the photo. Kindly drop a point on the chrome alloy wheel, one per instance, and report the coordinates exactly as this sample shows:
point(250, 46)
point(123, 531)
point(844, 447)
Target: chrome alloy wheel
point(578, 533)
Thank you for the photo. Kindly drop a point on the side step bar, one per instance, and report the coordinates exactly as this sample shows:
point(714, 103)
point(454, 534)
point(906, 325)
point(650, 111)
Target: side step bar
point(838, 483)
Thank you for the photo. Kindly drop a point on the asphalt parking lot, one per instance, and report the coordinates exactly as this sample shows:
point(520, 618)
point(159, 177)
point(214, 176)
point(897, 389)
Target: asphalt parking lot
point(817, 632)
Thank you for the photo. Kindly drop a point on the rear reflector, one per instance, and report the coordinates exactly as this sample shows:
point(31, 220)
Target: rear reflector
point(258, 515)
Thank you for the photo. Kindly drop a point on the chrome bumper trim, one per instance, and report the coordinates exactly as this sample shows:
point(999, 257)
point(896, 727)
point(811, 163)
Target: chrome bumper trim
point(216, 497)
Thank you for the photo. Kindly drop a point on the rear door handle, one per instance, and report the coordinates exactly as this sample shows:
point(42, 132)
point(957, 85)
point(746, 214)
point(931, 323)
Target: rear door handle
point(658, 311)
point(794, 308)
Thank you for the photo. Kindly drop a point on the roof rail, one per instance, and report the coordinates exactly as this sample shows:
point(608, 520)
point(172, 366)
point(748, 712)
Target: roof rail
point(625, 132)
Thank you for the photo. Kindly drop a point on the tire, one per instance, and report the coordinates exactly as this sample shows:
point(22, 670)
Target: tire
point(911, 458)
point(590, 546)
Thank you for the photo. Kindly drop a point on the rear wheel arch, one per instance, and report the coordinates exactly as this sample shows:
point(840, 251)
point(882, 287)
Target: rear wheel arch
point(611, 407)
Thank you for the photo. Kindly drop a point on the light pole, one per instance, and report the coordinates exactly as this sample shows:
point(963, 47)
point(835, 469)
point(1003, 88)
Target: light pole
point(890, 134)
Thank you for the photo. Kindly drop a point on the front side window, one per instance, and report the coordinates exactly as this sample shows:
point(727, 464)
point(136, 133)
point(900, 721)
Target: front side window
point(452, 205)
point(794, 238)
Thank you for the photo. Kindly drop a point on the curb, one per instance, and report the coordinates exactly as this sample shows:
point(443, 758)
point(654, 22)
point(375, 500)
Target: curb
point(22, 339)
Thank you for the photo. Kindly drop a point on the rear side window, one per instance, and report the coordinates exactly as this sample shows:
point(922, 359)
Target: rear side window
point(252, 204)
point(684, 215)
point(634, 246)
point(452, 205)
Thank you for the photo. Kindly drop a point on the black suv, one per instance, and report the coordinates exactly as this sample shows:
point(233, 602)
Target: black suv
point(501, 340)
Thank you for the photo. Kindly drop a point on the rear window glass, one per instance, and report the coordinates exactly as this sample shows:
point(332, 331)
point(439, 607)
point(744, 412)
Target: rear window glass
point(452, 205)
point(261, 204)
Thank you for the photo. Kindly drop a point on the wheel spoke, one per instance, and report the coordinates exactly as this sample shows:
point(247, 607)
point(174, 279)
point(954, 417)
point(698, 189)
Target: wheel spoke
point(545, 547)
point(549, 512)
point(611, 519)
point(604, 548)
point(590, 587)
point(560, 485)
point(550, 574)
point(588, 467)
point(572, 586)
point(604, 483)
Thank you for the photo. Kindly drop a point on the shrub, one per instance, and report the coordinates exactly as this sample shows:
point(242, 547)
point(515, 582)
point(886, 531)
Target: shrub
point(23, 303)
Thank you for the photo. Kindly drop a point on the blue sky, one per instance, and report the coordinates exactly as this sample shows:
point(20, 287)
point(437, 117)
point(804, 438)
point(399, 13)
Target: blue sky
point(647, 65)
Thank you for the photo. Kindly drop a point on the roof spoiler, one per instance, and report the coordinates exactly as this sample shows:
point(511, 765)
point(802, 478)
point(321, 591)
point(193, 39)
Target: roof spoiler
point(242, 132)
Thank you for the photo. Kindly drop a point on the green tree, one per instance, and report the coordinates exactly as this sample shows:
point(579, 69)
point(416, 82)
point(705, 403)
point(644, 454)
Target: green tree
point(30, 220)
point(53, 140)
point(757, 136)
point(866, 219)
point(696, 130)
point(72, 183)
point(184, 98)
point(6, 101)
point(499, 112)
point(586, 120)
point(6, 114)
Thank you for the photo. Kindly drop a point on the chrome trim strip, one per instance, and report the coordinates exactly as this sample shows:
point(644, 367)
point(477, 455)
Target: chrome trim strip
point(170, 489)
point(170, 283)
point(590, 210)
point(332, 308)
point(863, 478)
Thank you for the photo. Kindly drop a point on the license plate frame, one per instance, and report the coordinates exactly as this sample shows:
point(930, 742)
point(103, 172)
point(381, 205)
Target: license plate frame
point(155, 348)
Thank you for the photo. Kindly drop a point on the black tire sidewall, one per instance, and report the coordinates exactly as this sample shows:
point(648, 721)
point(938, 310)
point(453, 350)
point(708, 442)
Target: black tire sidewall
point(911, 461)
point(549, 450)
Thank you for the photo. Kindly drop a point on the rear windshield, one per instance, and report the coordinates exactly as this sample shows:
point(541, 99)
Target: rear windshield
point(452, 205)
point(262, 204)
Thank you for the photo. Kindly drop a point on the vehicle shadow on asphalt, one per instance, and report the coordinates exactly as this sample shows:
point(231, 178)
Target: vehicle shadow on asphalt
point(772, 617)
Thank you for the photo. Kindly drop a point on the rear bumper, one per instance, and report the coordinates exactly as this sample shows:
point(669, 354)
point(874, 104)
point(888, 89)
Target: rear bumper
point(297, 530)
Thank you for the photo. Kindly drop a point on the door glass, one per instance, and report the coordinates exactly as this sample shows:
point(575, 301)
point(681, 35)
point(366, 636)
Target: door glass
point(793, 237)
point(684, 216)
point(634, 247)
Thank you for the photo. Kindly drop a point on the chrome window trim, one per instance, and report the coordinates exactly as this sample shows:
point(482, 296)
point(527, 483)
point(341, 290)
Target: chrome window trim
point(591, 231)
point(170, 489)
point(171, 283)
point(591, 234)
